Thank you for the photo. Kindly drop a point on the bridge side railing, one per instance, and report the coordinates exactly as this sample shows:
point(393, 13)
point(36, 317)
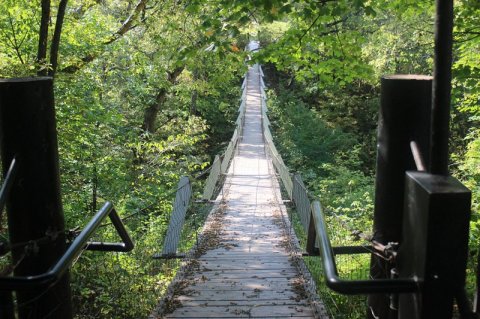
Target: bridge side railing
point(212, 179)
point(312, 218)
point(277, 160)
point(183, 195)
point(301, 200)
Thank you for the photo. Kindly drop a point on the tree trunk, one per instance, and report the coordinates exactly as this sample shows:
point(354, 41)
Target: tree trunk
point(56, 37)
point(43, 38)
point(152, 111)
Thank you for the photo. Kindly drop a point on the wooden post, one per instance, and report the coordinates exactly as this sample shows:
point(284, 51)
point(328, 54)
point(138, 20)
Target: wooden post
point(34, 209)
point(404, 117)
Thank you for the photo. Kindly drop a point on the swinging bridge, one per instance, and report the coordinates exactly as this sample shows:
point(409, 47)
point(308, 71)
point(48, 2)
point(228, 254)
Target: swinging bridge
point(247, 262)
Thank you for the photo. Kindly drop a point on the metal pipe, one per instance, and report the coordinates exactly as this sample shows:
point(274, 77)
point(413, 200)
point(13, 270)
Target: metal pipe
point(77, 246)
point(127, 244)
point(7, 184)
point(352, 250)
point(352, 287)
point(442, 77)
point(417, 156)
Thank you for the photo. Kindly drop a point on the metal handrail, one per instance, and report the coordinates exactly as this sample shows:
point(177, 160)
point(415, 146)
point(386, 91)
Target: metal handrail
point(353, 287)
point(74, 250)
point(7, 183)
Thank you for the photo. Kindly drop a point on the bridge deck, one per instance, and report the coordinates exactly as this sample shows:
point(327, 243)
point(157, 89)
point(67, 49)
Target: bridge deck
point(245, 269)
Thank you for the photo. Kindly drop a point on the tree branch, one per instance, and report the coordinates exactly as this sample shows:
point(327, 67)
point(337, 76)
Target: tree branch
point(328, 25)
point(308, 29)
point(127, 25)
point(14, 42)
point(56, 37)
point(80, 11)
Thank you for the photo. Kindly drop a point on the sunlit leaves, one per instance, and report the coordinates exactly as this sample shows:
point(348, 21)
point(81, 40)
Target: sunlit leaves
point(18, 37)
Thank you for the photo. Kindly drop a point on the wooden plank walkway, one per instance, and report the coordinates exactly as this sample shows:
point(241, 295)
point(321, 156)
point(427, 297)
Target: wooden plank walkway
point(244, 268)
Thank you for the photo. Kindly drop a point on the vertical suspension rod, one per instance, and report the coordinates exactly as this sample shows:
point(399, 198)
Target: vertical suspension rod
point(441, 92)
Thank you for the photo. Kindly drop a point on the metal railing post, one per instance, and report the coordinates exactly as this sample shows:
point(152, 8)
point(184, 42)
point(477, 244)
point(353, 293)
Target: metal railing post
point(404, 117)
point(34, 208)
point(442, 78)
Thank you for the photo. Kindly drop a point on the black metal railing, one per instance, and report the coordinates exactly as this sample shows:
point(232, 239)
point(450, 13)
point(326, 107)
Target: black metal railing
point(7, 184)
point(79, 244)
point(351, 287)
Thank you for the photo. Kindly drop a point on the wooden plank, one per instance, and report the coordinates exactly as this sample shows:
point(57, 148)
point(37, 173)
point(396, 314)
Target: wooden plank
point(235, 316)
point(246, 265)
point(219, 252)
point(246, 281)
point(239, 287)
point(242, 275)
point(242, 312)
point(243, 256)
point(231, 294)
point(190, 302)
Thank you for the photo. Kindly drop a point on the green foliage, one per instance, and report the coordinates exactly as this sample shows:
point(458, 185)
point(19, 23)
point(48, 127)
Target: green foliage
point(315, 143)
point(470, 173)
point(18, 37)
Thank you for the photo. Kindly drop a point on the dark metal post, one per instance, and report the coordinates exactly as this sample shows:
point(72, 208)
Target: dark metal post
point(442, 76)
point(435, 245)
point(34, 209)
point(6, 299)
point(6, 305)
point(404, 117)
point(477, 293)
